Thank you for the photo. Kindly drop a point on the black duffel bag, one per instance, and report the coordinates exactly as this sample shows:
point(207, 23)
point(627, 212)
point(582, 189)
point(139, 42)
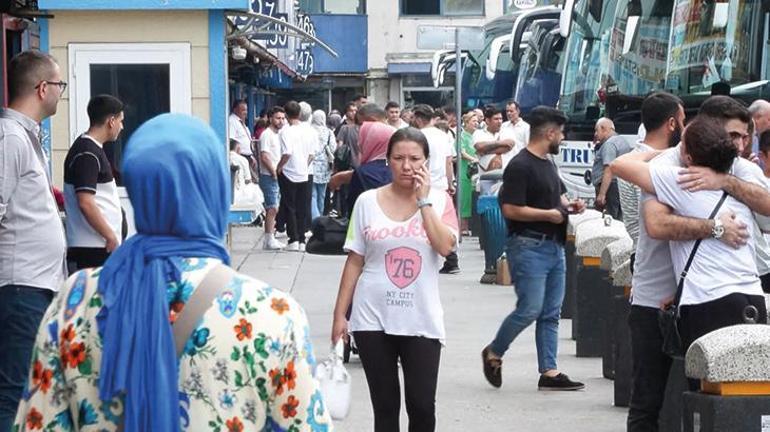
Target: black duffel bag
point(328, 236)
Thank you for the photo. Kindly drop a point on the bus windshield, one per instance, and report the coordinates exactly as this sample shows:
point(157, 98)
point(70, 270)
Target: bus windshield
point(586, 56)
point(717, 43)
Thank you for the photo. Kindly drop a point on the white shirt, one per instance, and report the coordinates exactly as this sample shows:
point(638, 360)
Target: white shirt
point(398, 290)
point(270, 143)
point(299, 141)
point(717, 269)
point(32, 244)
point(440, 146)
point(239, 132)
point(519, 132)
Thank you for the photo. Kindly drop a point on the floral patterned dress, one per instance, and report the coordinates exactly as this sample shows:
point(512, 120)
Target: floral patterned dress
point(247, 367)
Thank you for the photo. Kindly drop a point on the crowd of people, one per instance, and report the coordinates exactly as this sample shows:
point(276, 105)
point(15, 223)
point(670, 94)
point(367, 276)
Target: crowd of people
point(91, 335)
point(311, 164)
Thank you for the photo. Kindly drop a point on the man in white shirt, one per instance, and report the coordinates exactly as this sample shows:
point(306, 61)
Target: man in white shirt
point(393, 110)
point(299, 142)
point(32, 245)
point(494, 146)
point(515, 128)
point(238, 131)
point(440, 164)
point(270, 155)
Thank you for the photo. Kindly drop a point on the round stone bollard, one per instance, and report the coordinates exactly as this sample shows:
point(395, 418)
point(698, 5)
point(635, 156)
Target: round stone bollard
point(568, 306)
point(615, 254)
point(593, 290)
point(733, 366)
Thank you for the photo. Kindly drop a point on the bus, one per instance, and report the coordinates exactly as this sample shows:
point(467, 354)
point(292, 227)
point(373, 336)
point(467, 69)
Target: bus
point(541, 66)
point(619, 51)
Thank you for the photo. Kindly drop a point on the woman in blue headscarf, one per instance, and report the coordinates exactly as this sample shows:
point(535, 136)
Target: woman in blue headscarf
point(104, 354)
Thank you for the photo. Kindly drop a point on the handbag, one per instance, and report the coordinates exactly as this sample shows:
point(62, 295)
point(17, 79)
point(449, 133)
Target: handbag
point(328, 237)
point(343, 158)
point(668, 318)
point(334, 382)
point(473, 169)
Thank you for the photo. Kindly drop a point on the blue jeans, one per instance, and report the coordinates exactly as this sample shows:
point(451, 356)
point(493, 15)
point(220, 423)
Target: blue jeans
point(537, 271)
point(21, 311)
point(317, 203)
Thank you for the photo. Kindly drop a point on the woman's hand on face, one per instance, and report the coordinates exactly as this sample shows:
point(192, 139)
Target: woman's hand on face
point(339, 330)
point(421, 182)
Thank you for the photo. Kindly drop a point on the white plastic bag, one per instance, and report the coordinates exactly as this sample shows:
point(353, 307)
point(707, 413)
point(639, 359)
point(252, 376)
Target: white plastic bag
point(335, 384)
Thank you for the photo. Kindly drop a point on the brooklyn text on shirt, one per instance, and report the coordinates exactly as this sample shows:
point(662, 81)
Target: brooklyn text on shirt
point(415, 229)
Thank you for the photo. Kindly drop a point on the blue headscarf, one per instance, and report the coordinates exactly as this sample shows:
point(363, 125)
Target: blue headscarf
point(176, 175)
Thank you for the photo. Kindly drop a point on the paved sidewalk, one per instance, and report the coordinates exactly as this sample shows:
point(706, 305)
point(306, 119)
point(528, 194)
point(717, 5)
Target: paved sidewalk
point(472, 313)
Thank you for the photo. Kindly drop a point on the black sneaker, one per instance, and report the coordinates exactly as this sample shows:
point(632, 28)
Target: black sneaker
point(560, 382)
point(449, 269)
point(493, 368)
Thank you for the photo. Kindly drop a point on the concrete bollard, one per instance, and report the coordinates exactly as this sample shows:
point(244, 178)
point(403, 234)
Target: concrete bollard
point(613, 256)
point(568, 306)
point(733, 366)
point(620, 334)
point(593, 291)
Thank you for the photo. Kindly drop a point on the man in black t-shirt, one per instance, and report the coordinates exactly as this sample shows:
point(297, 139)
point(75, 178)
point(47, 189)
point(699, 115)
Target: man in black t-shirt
point(535, 207)
point(94, 216)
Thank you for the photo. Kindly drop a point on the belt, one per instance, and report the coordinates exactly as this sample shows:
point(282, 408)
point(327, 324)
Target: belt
point(537, 235)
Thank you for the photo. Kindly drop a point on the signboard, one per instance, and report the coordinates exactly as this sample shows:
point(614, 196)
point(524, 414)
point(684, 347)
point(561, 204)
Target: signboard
point(281, 40)
point(521, 5)
point(443, 37)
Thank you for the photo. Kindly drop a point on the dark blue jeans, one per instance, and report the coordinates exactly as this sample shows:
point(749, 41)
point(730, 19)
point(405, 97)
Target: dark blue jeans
point(537, 271)
point(21, 310)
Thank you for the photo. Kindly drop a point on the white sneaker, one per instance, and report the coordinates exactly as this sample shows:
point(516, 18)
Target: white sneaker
point(308, 234)
point(302, 247)
point(272, 244)
point(280, 234)
point(292, 247)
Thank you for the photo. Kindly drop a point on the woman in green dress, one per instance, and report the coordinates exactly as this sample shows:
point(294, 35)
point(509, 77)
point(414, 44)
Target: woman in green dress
point(468, 153)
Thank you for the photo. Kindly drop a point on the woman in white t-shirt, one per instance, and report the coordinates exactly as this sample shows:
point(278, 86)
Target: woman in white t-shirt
point(397, 236)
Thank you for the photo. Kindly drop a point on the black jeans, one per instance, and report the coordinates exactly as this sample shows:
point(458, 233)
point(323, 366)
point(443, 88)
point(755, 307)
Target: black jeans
point(420, 357)
point(650, 367)
point(21, 310)
point(295, 207)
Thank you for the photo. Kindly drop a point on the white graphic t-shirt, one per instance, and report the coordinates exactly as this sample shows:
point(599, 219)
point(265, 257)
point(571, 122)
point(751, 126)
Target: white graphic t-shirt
point(397, 291)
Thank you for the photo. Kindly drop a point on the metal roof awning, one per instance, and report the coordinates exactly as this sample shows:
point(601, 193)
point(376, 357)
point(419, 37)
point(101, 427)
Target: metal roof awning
point(259, 24)
point(245, 27)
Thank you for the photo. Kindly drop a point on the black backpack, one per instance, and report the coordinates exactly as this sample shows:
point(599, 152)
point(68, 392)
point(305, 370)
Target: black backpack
point(328, 236)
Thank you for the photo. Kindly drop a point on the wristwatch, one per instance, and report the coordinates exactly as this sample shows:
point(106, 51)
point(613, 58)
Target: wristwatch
point(422, 202)
point(718, 230)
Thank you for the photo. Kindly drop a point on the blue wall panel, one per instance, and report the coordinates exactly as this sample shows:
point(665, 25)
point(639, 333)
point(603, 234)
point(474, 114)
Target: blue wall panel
point(348, 36)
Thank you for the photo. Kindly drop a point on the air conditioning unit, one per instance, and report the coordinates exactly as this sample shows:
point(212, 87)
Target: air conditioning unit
point(238, 53)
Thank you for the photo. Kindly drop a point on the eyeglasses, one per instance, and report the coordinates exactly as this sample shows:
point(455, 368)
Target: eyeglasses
point(62, 85)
